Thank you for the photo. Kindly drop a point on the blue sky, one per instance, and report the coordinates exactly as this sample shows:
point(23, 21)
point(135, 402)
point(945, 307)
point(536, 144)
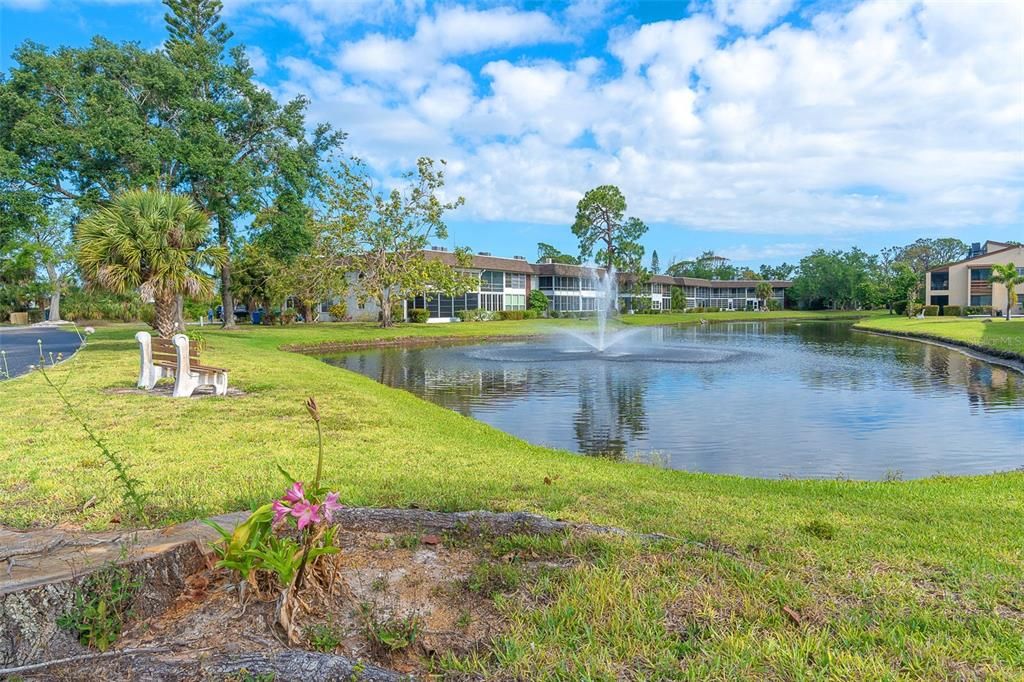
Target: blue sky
point(760, 129)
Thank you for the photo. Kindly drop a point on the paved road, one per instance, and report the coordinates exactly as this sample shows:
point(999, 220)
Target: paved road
point(20, 344)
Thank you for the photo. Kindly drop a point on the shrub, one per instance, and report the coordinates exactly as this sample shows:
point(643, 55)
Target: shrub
point(538, 301)
point(419, 315)
point(338, 311)
point(194, 309)
point(952, 311)
point(773, 304)
point(531, 314)
point(554, 314)
point(98, 305)
point(512, 315)
point(475, 315)
point(930, 310)
point(977, 310)
point(288, 315)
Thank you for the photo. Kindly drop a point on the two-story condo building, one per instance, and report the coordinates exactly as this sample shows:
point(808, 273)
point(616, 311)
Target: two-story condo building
point(506, 283)
point(966, 282)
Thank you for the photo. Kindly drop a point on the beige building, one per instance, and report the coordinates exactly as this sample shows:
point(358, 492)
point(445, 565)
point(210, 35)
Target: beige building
point(966, 282)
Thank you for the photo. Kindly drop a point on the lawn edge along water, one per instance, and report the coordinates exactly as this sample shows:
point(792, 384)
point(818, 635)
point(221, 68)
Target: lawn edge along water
point(958, 334)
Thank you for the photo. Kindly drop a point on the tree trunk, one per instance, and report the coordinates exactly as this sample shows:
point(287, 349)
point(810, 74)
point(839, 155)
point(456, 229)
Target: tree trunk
point(55, 306)
point(227, 299)
point(179, 313)
point(51, 273)
point(385, 310)
point(166, 315)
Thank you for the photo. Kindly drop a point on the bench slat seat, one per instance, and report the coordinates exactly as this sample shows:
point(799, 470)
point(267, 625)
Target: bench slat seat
point(207, 368)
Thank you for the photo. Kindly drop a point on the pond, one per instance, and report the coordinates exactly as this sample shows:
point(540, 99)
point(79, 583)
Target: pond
point(768, 399)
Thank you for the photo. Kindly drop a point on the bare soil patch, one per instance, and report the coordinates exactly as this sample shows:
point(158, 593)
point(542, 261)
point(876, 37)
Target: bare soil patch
point(408, 588)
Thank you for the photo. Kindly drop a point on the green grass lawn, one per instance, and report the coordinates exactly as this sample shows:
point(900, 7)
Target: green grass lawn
point(994, 334)
point(897, 580)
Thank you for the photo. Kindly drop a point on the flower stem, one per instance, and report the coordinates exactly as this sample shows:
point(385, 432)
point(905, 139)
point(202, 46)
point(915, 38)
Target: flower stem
point(319, 458)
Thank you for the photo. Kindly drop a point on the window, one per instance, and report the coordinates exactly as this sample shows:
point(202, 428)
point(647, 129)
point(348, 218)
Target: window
point(515, 280)
point(565, 303)
point(588, 284)
point(491, 302)
point(545, 282)
point(589, 303)
point(981, 275)
point(567, 283)
point(491, 280)
point(981, 300)
point(515, 301)
point(940, 281)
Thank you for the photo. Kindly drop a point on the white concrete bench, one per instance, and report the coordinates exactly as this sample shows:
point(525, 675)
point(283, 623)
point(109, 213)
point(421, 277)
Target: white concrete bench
point(175, 358)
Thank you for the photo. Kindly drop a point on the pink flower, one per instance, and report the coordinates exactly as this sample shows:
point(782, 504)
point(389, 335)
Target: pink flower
point(306, 513)
point(281, 510)
point(331, 505)
point(295, 493)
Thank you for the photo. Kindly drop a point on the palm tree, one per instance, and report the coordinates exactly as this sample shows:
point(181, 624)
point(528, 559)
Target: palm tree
point(764, 291)
point(151, 242)
point(1009, 277)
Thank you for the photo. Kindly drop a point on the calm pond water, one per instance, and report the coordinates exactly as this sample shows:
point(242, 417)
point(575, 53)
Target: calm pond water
point(768, 399)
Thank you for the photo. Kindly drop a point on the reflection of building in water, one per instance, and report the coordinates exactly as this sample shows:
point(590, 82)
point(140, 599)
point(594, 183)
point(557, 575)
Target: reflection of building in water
point(458, 388)
point(986, 385)
point(611, 411)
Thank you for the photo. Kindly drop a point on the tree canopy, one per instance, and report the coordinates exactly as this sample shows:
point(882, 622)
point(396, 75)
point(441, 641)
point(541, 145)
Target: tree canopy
point(382, 235)
point(601, 221)
point(706, 266)
point(547, 252)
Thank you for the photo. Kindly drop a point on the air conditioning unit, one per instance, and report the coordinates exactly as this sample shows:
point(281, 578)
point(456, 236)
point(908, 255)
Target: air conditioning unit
point(483, 253)
point(519, 257)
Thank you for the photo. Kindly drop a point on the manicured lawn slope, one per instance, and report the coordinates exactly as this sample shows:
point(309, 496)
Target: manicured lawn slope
point(992, 334)
point(920, 579)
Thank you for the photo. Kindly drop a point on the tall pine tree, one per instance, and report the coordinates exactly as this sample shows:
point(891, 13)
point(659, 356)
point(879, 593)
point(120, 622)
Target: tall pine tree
point(237, 145)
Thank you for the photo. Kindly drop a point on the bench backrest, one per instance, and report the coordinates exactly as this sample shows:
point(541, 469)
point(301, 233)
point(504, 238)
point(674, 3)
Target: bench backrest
point(164, 351)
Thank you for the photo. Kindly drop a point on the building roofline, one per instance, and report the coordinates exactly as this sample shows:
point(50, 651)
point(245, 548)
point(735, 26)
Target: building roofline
point(980, 255)
point(482, 262)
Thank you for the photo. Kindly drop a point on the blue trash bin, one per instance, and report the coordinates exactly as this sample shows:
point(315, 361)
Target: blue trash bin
point(257, 316)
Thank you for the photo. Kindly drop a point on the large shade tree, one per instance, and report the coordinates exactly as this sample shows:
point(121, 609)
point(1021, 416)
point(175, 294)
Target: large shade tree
point(382, 235)
point(1010, 277)
point(83, 124)
point(151, 242)
point(601, 224)
point(708, 265)
point(834, 279)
